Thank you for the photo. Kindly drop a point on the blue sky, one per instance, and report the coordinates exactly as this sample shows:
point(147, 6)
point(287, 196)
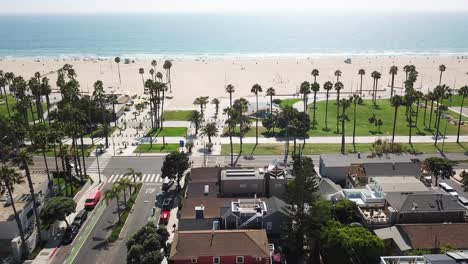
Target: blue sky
point(229, 6)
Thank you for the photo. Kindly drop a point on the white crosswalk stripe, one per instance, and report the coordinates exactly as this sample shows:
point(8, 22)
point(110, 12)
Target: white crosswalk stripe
point(152, 177)
point(157, 178)
point(145, 178)
point(111, 178)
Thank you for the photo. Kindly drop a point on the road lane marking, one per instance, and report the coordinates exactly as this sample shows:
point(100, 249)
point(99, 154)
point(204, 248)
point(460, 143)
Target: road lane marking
point(157, 178)
point(151, 178)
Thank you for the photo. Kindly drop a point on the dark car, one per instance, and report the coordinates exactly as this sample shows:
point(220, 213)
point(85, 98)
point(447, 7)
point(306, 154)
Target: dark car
point(80, 218)
point(167, 184)
point(167, 204)
point(70, 234)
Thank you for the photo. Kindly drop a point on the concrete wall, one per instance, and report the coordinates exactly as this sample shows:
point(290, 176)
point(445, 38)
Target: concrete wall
point(277, 187)
point(433, 217)
point(242, 187)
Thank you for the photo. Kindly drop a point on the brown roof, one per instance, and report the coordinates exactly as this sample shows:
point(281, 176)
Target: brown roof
point(204, 174)
point(192, 244)
point(430, 236)
point(212, 206)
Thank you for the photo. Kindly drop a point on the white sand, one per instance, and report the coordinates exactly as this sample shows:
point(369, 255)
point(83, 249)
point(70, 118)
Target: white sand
point(208, 76)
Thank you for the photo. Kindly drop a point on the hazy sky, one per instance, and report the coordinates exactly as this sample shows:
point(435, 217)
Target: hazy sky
point(225, 6)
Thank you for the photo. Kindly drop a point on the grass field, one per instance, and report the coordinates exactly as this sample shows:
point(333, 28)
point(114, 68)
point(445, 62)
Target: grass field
point(170, 132)
point(176, 115)
point(12, 104)
point(311, 149)
point(157, 148)
point(456, 101)
point(50, 152)
point(288, 102)
point(456, 115)
point(100, 133)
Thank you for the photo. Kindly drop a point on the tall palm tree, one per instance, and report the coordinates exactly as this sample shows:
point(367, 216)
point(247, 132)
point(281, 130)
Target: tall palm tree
point(159, 76)
point(195, 119)
point(432, 97)
point(117, 60)
point(409, 99)
point(271, 92)
point(23, 160)
point(396, 102)
point(8, 179)
point(407, 69)
point(338, 75)
point(463, 92)
point(151, 72)
point(442, 68)
point(141, 71)
point(393, 71)
point(230, 90)
point(355, 99)
point(361, 72)
point(111, 194)
point(256, 88)
point(131, 172)
point(304, 90)
point(201, 101)
point(240, 106)
point(231, 123)
point(426, 98)
point(167, 66)
point(376, 76)
point(418, 96)
point(327, 87)
point(154, 63)
point(46, 91)
point(3, 84)
point(344, 104)
point(315, 87)
point(210, 130)
point(125, 183)
point(149, 84)
point(41, 141)
point(216, 103)
point(315, 73)
point(163, 89)
point(338, 87)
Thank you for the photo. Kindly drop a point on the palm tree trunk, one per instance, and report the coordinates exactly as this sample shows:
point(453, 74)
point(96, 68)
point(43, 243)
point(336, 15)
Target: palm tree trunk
point(304, 102)
point(118, 68)
point(151, 110)
point(459, 119)
point(48, 107)
point(118, 208)
point(394, 125)
point(162, 109)
point(425, 110)
point(125, 196)
point(326, 112)
point(256, 121)
point(51, 182)
point(232, 150)
point(360, 89)
point(393, 83)
point(18, 222)
point(315, 108)
point(417, 113)
point(354, 125)
point(271, 104)
point(439, 116)
point(83, 155)
point(337, 112)
point(343, 131)
point(376, 89)
point(33, 199)
point(230, 100)
point(6, 102)
point(430, 115)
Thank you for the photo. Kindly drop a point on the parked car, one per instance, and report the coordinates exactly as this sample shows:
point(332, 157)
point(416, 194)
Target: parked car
point(167, 204)
point(70, 234)
point(80, 218)
point(164, 217)
point(167, 183)
point(92, 200)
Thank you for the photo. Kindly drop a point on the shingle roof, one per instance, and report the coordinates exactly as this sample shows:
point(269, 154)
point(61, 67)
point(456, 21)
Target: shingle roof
point(190, 244)
point(328, 187)
point(275, 204)
point(429, 236)
point(390, 169)
point(423, 202)
point(212, 206)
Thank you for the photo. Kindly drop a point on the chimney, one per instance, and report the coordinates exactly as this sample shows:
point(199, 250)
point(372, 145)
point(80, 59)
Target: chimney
point(199, 212)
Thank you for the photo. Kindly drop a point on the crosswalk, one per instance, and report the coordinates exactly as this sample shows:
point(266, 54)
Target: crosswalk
point(103, 161)
point(148, 178)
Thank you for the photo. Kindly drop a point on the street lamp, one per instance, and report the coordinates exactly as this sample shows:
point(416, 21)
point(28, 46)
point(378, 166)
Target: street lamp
point(97, 160)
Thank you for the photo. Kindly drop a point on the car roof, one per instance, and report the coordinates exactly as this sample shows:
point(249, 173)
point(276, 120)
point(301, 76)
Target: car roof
point(81, 213)
point(93, 193)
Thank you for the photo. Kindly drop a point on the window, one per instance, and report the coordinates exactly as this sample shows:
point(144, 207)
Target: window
point(243, 185)
point(254, 185)
point(194, 260)
point(278, 185)
point(216, 260)
point(240, 260)
point(269, 225)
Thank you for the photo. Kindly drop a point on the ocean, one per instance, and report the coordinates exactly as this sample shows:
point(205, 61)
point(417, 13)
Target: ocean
point(232, 35)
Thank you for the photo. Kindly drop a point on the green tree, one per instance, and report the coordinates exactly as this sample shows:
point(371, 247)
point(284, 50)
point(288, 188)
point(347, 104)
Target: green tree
point(463, 92)
point(210, 130)
point(464, 176)
point(113, 194)
point(239, 107)
point(57, 208)
point(131, 172)
point(376, 76)
point(271, 92)
point(8, 179)
point(117, 60)
point(201, 101)
point(189, 145)
point(355, 99)
point(230, 90)
point(167, 66)
point(256, 89)
point(396, 102)
point(315, 73)
point(123, 184)
point(393, 71)
point(141, 71)
point(315, 87)
point(442, 68)
point(361, 72)
point(144, 247)
point(216, 103)
point(345, 103)
point(305, 91)
point(174, 166)
point(327, 87)
point(338, 75)
point(432, 97)
point(196, 119)
point(440, 167)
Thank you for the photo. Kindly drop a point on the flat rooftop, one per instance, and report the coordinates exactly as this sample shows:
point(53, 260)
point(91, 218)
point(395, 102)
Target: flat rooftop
point(339, 160)
point(242, 174)
point(400, 184)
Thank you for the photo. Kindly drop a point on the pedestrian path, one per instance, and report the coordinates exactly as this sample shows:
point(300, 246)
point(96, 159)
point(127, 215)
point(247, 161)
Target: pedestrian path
point(147, 178)
point(101, 164)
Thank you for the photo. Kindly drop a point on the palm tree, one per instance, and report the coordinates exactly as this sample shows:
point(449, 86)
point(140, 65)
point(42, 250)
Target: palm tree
point(304, 90)
point(230, 89)
point(141, 71)
point(355, 99)
point(134, 174)
point(344, 104)
point(426, 98)
point(271, 92)
point(396, 102)
point(125, 183)
point(8, 179)
point(393, 71)
point(315, 73)
point(41, 140)
point(338, 88)
point(167, 66)
point(418, 98)
point(117, 60)
point(23, 160)
point(201, 101)
point(209, 130)
point(154, 63)
point(442, 68)
point(432, 97)
point(361, 72)
point(338, 75)
point(376, 75)
point(327, 87)
point(315, 88)
point(111, 194)
point(163, 89)
point(216, 103)
point(463, 92)
point(151, 72)
point(231, 122)
point(195, 119)
point(407, 69)
point(239, 107)
point(46, 91)
point(159, 76)
point(256, 88)
point(409, 98)
point(3, 83)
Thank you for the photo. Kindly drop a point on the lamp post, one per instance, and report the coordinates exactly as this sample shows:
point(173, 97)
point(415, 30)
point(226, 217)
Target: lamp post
point(97, 160)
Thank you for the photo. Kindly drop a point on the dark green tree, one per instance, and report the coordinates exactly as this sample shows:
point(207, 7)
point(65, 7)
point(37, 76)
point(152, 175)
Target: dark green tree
point(174, 166)
point(57, 209)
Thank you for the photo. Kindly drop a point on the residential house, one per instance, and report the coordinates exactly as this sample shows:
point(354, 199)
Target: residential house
point(451, 257)
point(220, 246)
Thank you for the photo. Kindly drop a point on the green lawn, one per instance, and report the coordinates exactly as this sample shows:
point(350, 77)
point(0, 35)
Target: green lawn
point(73, 189)
point(384, 111)
point(288, 102)
point(456, 115)
point(456, 101)
point(50, 152)
point(12, 104)
point(311, 149)
point(169, 132)
point(157, 148)
point(176, 115)
point(98, 132)
point(262, 132)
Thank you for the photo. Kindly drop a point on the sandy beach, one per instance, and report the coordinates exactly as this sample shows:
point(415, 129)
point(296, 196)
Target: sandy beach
point(192, 77)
